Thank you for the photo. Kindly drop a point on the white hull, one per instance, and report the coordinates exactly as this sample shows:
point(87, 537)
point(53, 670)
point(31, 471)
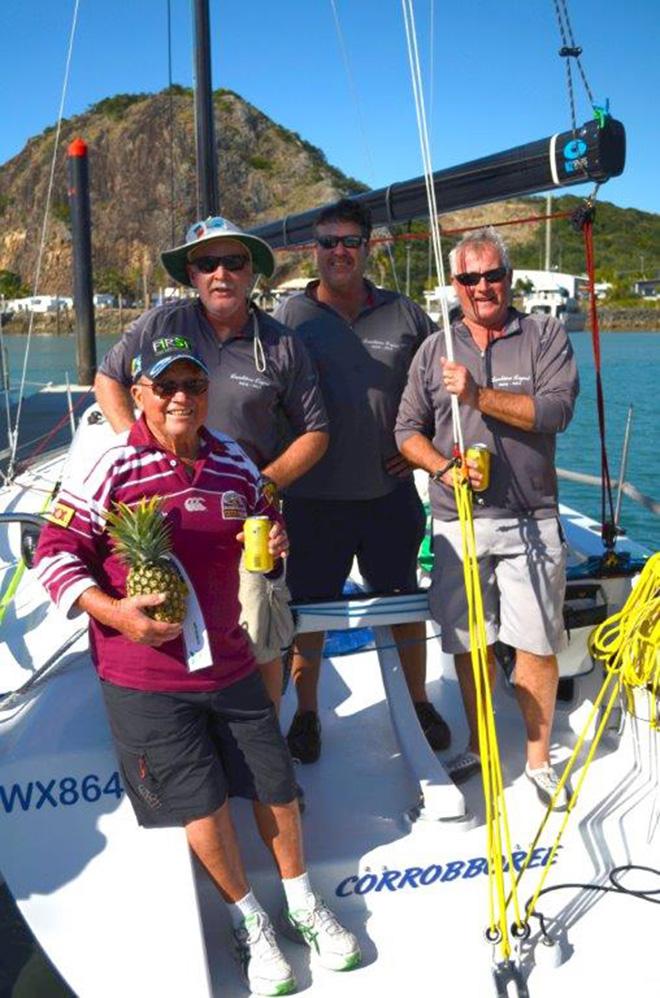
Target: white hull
point(120, 910)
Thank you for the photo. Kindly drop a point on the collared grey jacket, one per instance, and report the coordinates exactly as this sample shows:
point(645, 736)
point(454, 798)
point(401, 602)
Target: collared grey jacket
point(533, 357)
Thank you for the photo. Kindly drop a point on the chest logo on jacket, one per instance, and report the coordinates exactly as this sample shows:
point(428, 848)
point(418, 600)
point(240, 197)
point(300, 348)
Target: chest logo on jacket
point(195, 504)
point(233, 505)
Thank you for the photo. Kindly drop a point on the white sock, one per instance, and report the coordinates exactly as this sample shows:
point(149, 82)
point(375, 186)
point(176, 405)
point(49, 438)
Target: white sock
point(299, 894)
point(239, 910)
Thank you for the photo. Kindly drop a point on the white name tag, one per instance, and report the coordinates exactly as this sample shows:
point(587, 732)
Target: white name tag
point(195, 635)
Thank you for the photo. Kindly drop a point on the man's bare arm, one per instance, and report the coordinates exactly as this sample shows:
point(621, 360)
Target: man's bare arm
point(509, 407)
point(299, 457)
point(115, 402)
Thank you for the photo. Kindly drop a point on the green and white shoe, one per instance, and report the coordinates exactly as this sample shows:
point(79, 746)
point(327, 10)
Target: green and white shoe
point(265, 967)
point(334, 946)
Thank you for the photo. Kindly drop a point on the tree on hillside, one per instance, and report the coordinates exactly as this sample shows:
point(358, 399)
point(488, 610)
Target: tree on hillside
point(111, 281)
point(11, 285)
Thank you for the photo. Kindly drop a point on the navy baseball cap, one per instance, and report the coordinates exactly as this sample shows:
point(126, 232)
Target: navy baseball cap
point(156, 355)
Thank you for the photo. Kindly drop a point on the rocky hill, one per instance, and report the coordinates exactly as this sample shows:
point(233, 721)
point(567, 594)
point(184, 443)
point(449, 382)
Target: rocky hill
point(143, 187)
point(143, 192)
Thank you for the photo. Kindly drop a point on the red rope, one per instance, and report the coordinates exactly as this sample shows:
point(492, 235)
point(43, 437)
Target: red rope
point(59, 424)
point(444, 232)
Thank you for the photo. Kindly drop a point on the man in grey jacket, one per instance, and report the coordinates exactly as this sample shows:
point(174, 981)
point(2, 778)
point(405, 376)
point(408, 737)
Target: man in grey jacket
point(516, 381)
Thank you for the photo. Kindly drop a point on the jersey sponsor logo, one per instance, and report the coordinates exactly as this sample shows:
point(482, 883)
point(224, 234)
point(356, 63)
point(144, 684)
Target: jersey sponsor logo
point(61, 514)
point(233, 506)
point(195, 504)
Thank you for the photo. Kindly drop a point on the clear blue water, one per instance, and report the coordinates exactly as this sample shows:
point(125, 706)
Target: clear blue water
point(630, 372)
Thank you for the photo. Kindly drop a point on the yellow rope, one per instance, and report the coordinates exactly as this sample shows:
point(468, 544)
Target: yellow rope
point(628, 645)
point(19, 571)
point(497, 825)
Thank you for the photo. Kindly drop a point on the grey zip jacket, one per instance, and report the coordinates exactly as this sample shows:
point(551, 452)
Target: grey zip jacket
point(533, 357)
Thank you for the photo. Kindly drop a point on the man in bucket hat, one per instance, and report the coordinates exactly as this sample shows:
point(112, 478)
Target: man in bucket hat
point(263, 389)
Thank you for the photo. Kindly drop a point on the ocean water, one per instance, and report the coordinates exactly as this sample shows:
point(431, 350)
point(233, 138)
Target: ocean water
point(630, 365)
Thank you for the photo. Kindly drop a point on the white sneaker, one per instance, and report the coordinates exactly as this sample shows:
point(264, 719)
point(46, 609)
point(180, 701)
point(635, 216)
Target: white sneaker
point(546, 781)
point(335, 947)
point(264, 965)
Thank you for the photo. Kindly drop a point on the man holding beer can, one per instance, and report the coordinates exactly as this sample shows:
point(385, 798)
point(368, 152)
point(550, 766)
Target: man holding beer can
point(516, 381)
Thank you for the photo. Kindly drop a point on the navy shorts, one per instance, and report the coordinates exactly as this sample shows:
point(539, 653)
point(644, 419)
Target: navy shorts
point(327, 534)
point(181, 754)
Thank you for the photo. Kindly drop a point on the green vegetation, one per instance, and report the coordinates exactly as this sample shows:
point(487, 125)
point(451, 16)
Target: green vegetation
point(113, 282)
point(261, 163)
point(626, 244)
point(61, 210)
point(4, 203)
point(11, 285)
point(115, 107)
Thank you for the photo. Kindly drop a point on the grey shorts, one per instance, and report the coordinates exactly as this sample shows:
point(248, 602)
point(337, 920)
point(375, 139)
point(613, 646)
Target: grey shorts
point(522, 566)
point(265, 614)
point(181, 754)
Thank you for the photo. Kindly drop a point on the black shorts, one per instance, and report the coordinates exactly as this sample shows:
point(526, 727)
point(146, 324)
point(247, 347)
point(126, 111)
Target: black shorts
point(327, 534)
point(181, 754)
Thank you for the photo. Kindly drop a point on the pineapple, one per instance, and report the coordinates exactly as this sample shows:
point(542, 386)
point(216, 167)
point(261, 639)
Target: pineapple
point(141, 538)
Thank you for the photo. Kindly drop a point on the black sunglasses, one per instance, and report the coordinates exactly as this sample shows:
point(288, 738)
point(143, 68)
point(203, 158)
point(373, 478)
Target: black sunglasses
point(166, 389)
point(348, 242)
point(209, 264)
point(472, 278)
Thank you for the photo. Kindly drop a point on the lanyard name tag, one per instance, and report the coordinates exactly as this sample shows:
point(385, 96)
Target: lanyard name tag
point(195, 635)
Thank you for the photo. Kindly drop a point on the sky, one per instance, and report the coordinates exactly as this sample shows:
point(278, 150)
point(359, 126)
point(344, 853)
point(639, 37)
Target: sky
point(492, 75)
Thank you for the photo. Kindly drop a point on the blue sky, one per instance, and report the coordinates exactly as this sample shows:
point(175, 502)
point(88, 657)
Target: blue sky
point(497, 82)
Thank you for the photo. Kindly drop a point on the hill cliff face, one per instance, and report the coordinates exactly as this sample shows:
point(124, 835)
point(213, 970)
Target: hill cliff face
point(143, 186)
point(143, 195)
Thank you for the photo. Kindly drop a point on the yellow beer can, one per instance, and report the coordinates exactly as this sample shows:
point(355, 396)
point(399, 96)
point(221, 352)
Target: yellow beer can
point(480, 454)
point(257, 556)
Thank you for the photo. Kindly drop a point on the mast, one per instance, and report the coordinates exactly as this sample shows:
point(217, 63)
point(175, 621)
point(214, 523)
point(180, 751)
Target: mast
point(593, 153)
point(207, 168)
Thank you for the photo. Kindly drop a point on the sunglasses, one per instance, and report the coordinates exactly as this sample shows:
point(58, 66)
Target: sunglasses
point(348, 242)
point(166, 389)
point(471, 279)
point(209, 264)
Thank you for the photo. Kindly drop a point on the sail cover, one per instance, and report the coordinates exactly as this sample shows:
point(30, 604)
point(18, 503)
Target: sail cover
point(592, 153)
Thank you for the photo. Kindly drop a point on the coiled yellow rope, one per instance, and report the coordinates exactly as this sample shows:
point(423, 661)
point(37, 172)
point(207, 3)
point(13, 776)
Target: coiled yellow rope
point(628, 645)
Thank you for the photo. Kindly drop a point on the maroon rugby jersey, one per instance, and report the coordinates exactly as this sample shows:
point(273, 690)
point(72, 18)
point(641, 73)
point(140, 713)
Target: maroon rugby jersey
point(205, 511)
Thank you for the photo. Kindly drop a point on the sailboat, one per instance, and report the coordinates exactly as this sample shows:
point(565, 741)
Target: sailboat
point(392, 843)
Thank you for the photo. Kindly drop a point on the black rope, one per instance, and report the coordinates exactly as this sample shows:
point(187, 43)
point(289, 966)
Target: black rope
point(569, 50)
point(616, 888)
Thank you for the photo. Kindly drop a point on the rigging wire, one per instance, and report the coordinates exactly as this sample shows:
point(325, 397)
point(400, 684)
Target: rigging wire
point(13, 433)
point(360, 118)
point(568, 51)
point(171, 121)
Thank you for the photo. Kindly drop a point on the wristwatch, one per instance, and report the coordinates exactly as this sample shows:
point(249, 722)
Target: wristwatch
point(270, 490)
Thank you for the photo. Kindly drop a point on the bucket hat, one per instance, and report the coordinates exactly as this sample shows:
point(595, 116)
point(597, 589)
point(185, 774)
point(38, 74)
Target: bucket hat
point(175, 260)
